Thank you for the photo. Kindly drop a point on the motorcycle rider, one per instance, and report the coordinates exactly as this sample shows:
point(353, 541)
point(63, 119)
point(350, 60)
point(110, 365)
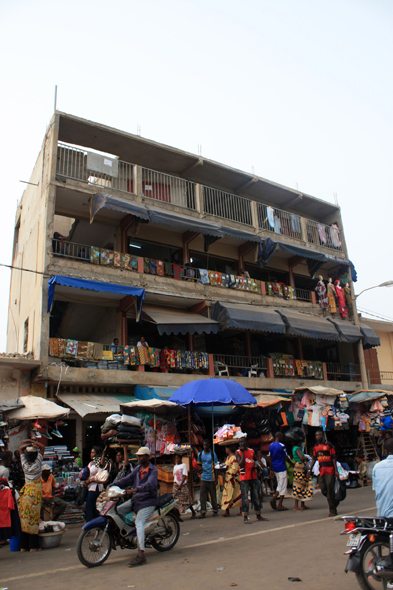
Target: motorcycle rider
point(143, 481)
point(383, 487)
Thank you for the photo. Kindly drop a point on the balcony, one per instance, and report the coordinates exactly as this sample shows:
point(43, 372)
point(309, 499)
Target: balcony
point(275, 293)
point(109, 173)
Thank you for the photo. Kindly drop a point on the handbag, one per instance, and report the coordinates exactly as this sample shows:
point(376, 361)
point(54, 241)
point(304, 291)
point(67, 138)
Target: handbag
point(102, 476)
point(82, 495)
point(267, 438)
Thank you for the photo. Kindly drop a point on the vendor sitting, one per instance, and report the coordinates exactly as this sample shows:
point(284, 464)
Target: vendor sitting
point(48, 493)
point(77, 458)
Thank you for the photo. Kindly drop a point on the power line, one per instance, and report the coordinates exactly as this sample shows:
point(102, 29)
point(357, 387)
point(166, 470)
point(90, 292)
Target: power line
point(385, 319)
point(37, 272)
point(376, 313)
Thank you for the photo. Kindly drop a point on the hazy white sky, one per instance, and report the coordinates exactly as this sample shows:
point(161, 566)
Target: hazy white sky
point(300, 91)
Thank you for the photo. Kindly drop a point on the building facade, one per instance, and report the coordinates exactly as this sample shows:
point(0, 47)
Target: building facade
point(227, 264)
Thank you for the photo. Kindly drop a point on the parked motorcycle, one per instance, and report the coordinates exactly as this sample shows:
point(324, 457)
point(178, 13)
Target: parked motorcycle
point(113, 529)
point(368, 546)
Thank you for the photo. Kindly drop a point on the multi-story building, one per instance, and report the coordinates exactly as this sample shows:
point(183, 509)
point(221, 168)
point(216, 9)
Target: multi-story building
point(227, 264)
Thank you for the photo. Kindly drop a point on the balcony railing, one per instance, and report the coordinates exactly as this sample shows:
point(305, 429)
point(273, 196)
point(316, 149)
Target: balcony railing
point(339, 372)
point(87, 167)
point(226, 206)
point(303, 295)
point(111, 173)
point(234, 364)
point(279, 222)
point(323, 235)
point(376, 377)
point(168, 189)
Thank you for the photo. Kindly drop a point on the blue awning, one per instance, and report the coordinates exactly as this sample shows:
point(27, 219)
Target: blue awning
point(102, 201)
point(308, 326)
point(348, 331)
point(247, 317)
point(98, 286)
point(370, 337)
point(314, 258)
point(150, 392)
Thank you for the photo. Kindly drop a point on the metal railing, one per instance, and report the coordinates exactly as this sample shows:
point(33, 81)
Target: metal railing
point(303, 295)
point(236, 362)
point(323, 235)
point(71, 250)
point(279, 222)
point(376, 377)
point(74, 163)
point(168, 189)
point(226, 206)
point(339, 372)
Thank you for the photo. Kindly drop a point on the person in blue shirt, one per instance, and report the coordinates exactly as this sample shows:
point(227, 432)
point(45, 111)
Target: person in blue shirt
point(208, 488)
point(383, 488)
point(277, 459)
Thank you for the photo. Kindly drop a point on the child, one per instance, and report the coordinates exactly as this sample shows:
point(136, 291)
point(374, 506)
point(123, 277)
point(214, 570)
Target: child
point(180, 486)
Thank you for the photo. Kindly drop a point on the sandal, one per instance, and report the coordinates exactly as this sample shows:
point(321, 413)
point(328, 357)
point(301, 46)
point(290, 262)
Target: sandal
point(282, 508)
point(247, 521)
point(260, 518)
point(137, 561)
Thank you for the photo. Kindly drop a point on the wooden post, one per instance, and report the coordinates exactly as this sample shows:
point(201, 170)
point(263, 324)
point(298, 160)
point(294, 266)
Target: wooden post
point(140, 264)
point(324, 372)
point(269, 368)
point(140, 368)
point(313, 297)
point(263, 287)
point(300, 348)
point(248, 344)
point(191, 470)
point(211, 365)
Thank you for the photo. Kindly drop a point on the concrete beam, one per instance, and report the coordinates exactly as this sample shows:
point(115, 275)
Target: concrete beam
point(189, 169)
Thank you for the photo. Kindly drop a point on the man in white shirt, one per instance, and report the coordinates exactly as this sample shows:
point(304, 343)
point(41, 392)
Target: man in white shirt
point(142, 342)
point(383, 487)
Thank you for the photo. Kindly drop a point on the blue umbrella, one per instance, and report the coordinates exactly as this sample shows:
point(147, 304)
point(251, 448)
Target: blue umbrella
point(216, 392)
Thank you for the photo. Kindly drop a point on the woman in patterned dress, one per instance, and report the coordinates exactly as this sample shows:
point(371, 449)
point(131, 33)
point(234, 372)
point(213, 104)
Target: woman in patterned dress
point(231, 496)
point(302, 487)
point(31, 454)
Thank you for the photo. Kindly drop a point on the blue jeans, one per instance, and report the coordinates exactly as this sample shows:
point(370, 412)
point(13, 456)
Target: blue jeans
point(252, 486)
point(141, 517)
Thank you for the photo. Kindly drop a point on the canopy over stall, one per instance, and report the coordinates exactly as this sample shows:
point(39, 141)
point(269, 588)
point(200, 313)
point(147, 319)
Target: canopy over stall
point(37, 408)
point(137, 292)
point(364, 395)
point(308, 326)
point(247, 317)
point(150, 392)
point(90, 403)
point(348, 331)
point(320, 390)
point(314, 258)
point(177, 321)
point(370, 337)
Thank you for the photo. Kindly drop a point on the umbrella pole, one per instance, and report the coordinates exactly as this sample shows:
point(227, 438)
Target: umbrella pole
point(155, 441)
point(213, 431)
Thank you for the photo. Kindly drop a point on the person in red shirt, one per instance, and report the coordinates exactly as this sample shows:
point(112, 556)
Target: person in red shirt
point(248, 481)
point(325, 454)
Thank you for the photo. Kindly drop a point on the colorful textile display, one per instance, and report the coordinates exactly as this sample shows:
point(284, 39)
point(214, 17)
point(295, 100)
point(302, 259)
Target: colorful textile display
point(106, 257)
point(204, 276)
point(321, 292)
point(146, 266)
point(143, 355)
point(154, 357)
point(168, 269)
point(98, 350)
point(54, 347)
point(160, 268)
point(331, 291)
point(117, 259)
point(133, 264)
point(131, 355)
point(82, 350)
point(153, 266)
point(29, 506)
point(341, 300)
point(177, 271)
point(71, 348)
point(212, 277)
point(94, 255)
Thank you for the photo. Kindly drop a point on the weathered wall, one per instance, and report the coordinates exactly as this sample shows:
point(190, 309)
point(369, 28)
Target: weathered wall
point(14, 383)
point(88, 322)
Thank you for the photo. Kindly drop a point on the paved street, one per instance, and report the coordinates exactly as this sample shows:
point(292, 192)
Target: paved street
point(305, 545)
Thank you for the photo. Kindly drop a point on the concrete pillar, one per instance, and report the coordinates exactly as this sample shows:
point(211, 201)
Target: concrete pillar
point(313, 297)
point(140, 264)
point(190, 342)
point(324, 371)
point(300, 348)
point(254, 215)
point(140, 368)
point(303, 227)
point(199, 198)
point(362, 362)
point(263, 287)
point(79, 433)
point(138, 182)
point(248, 344)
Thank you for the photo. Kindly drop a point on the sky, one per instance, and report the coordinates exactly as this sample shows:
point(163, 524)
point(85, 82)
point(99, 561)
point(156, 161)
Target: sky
point(298, 92)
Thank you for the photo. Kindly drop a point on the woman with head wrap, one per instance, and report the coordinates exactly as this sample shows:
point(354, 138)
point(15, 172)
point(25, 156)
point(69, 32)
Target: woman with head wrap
point(31, 454)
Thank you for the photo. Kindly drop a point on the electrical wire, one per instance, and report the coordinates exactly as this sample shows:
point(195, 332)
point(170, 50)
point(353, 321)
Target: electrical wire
point(37, 272)
point(385, 319)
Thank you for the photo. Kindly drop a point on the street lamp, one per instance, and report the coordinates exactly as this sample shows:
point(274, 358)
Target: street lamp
point(385, 284)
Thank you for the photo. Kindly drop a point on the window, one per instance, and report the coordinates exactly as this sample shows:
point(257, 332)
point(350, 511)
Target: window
point(26, 336)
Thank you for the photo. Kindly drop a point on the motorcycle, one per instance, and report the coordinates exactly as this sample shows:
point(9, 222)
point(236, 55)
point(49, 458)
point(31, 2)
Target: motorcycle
point(368, 546)
point(115, 528)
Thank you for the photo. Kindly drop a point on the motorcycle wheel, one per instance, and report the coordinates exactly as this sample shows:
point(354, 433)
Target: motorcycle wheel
point(371, 552)
point(88, 550)
point(167, 540)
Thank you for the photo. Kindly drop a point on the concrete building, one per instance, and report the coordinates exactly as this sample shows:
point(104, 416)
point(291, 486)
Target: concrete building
point(379, 361)
point(120, 210)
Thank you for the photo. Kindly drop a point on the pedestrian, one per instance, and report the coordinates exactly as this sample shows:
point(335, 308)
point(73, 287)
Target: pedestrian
point(248, 481)
point(277, 458)
point(231, 496)
point(5, 457)
point(180, 487)
point(144, 482)
point(302, 487)
point(98, 462)
point(325, 454)
point(383, 487)
point(48, 493)
point(207, 459)
point(262, 473)
point(9, 517)
point(122, 467)
point(31, 454)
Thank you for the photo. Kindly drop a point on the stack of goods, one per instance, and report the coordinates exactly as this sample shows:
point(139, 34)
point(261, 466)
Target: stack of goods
point(73, 514)
point(321, 411)
point(256, 425)
point(374, 416)
point(228, 432)
point(179, 449)
point(119, 429)
point(171, 359)
point(113, 258)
